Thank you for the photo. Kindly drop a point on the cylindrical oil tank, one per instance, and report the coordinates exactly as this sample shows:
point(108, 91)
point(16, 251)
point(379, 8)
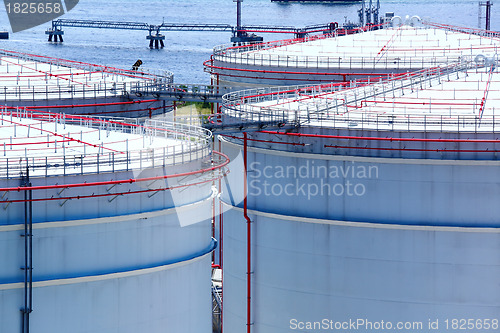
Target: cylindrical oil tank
point(377, 213)
point(105, 224)
point(360, 56)
point(63, 86)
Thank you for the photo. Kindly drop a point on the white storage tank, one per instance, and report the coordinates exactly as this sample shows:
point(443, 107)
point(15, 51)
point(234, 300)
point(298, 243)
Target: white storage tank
point(105, 225)
point(56, 85)
point(377, 212)
point(367, 55)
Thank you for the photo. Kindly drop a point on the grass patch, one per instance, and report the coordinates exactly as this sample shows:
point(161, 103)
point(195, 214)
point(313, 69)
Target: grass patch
point(201, 107)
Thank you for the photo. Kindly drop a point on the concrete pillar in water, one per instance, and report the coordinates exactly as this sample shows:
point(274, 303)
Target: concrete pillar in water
point(156, 41)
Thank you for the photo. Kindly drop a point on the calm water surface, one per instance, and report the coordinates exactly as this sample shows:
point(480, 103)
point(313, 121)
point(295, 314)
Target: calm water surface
point(185, 51)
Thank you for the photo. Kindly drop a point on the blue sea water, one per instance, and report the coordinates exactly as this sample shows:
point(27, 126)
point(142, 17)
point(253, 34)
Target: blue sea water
point(185, 51)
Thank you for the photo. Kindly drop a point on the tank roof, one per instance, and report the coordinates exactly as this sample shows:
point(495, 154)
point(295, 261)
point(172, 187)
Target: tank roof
point(26, 76)
point(412, 47)
point(54, 144)
point(400, 42)
point(461, 97)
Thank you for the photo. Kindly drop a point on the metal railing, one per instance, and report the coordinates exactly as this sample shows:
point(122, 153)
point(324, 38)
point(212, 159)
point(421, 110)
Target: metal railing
point(409, 80)
point(216, 308)
point(247, 55)
point(28, 89)
point(467, 30)
point(335, 105)
point(220, 49)
point(158, 75)
point(44, 91)
point(191, 143)
point(184, 92)
point(405, 62)
point(36, 91)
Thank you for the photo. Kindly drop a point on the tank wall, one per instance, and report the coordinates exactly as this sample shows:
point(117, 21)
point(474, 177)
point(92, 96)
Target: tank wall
point(106, 245)
point(417, 240)
point(292, 74)
point(103, 203)
point(173, 298)
point(384, 142)
point(110, 109)
point(310, 270)
point(423, 147)
point(380, 190)
point(112, 261)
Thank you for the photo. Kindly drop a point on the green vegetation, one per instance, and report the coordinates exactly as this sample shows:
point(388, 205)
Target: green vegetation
point(201, 107)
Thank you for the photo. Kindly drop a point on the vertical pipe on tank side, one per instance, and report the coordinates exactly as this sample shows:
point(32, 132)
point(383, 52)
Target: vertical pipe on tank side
point(214, 202)
point(249, 235)
point(25, 324)
point(30, 263)
point(221, 217)
point(28, 254)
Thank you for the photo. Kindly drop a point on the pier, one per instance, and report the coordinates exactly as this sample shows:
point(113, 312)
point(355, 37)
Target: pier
point(241, 34)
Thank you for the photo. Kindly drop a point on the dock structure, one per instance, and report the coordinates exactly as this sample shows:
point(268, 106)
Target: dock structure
point(154, 35)
point(241, 34)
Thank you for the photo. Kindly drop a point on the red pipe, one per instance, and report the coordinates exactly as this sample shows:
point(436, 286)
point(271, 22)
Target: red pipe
point(388, 42)
point(50, 74)
point(116, 182)
point(414, 149)
point(59, 135)
point(319, 81)
point(483, 101)
point(106, 69)
point(249, 232)
point(290, 72)
point(265, 141)
point(221, 244)
point(221, 223)
point(108, 194)
point(49, 115)
point(85, 105)
point(378, 139)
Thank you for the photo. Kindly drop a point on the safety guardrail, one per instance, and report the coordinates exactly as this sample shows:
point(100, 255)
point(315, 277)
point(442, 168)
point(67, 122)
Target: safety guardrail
point(334, 104)
point(189, 143)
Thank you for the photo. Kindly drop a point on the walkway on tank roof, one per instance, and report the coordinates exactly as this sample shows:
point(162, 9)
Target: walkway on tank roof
point(461, 97)
point(54, 143)
point(31, 77)
point(425, 44)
